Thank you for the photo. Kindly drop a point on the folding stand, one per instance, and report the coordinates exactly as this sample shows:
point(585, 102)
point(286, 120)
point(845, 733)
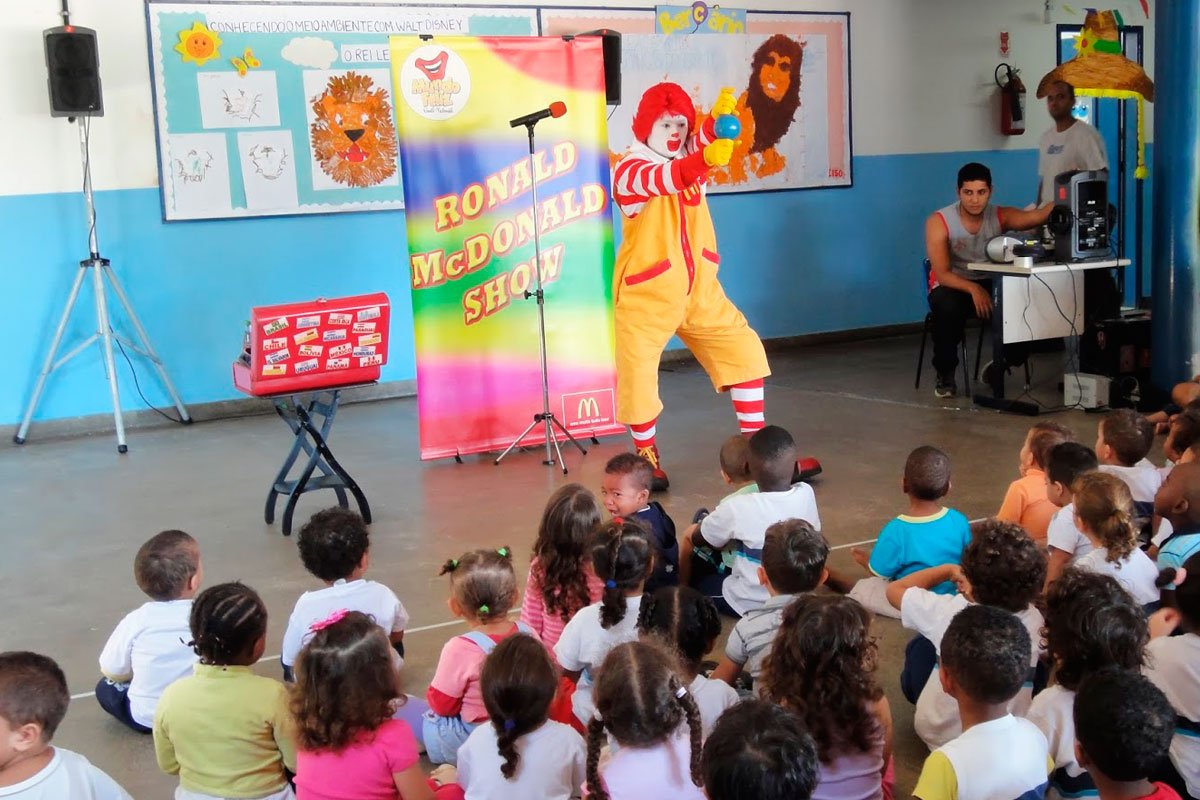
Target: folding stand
point(299, 416)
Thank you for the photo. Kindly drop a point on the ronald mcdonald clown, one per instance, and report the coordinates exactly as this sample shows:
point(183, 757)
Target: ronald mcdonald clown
point(665, 280)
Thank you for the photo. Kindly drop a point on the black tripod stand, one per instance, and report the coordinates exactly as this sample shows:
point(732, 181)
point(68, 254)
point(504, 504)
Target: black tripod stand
point(545, 417)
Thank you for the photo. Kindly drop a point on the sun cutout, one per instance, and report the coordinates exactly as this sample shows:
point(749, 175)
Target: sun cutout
point(198, 44)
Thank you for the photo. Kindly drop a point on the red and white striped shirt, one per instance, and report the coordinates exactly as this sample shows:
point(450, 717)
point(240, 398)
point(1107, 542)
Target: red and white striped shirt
point(642, 173)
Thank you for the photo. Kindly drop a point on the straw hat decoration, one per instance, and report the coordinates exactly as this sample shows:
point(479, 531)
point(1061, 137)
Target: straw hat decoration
point(1100, 70)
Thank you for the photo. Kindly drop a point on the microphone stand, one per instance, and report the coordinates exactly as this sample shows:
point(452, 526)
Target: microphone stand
point(546, 417)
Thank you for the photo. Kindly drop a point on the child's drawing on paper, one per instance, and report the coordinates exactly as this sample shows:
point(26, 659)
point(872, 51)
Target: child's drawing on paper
point(268, 161)
point(353, 137)
point(241, 104)
point(193, 166)
point(766, 109)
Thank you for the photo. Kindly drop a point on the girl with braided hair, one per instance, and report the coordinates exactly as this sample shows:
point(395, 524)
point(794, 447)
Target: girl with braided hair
point(643, 704)
point(225, 731)
point(689, 623)
point(622, 557)
point(523, 753)
point(1104, 513)
point(353, 745)
point(483, 588)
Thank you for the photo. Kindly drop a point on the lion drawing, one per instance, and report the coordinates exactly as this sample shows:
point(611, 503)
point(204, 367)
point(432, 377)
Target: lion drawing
point(353, 139)
point(766, 110)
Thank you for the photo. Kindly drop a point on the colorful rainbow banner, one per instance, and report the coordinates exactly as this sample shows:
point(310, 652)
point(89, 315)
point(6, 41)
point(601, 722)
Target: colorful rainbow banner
point(470, 217)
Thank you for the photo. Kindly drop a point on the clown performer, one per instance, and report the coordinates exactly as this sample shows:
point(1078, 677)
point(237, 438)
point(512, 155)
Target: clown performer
point(665, 280)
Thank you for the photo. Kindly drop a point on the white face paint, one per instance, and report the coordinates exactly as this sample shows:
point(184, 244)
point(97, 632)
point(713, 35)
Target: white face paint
point(666, 137)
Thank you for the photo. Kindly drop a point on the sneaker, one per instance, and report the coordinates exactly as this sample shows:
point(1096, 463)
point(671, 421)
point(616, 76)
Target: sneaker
point(699, 516)
point(805, 468)
point(658, 480)
point(946, 387)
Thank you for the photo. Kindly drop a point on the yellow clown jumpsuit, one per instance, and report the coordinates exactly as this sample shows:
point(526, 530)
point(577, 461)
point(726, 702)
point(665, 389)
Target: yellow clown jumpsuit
point(665, 283)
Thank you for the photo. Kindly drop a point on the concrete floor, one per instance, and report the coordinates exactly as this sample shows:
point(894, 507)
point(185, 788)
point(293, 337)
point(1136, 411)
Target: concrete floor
point(76, 513)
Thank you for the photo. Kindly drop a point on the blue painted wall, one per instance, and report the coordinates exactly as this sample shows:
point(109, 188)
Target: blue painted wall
point(795, 262)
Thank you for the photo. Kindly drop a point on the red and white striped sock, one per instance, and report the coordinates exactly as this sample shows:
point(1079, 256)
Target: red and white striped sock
point(643, 433)
point(749, 405)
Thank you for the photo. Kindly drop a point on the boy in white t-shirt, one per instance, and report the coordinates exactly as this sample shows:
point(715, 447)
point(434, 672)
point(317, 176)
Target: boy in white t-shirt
point(33, 701)
point(148, 650)
point(1123, 439)
point(1067, 544)
point(997, 755)
point(743, 520)
point(1001, 567)
point(335, 547)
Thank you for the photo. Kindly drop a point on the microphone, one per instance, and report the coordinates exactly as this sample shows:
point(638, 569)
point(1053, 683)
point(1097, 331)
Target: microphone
point(555, 109)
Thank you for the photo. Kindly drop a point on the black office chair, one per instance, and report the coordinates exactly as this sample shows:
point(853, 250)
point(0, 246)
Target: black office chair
point(962, 343)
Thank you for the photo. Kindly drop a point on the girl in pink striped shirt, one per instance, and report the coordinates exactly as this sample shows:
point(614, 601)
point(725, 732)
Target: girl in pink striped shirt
point(561, 580)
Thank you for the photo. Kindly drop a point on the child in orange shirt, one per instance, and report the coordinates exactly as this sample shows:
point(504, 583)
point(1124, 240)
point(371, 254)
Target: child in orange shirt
point(1026, 502)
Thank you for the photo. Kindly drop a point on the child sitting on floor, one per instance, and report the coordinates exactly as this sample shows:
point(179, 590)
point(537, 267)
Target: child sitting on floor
point(688, 622)
point(1123, 439)
point(822, 667)
point(1104, 512)
point(793, 563)
point(1001, 567)
point(1091, 624)
point(734, 458)
point(743, 520)
point(1123, 727)
point(1066, 543)
point(344, 700)
point(647, 710)
point(1178, 503)
point(927, 535)
point(626, 495)
point(561, 579)
point(761, 751)
point(148, 650)
point(33, 701)
point(622, 556)
point(1026, 502)
point(984, 663)
point(483, 588)
point(1171, 660)
point(225, 731)
point(335, 548)
point(522, 753)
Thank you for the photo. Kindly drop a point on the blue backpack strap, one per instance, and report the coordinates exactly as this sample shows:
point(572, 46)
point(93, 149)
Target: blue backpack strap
point(480, 640)
point(523, 628)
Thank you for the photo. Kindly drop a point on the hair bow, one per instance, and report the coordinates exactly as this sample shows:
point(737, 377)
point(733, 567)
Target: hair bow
point(1180, 576)
point(336, 616)
point(510, 725)
point(483, 609)
point(503, 551)
point(610, 583)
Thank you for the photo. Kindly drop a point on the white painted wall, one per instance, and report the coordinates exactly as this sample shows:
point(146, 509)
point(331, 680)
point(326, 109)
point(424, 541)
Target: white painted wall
point(921, 82)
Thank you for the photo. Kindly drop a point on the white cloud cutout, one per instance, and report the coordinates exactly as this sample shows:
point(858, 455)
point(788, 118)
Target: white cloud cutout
point(310, 51)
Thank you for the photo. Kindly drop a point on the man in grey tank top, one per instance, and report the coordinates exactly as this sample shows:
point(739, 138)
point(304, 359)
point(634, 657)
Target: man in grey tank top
point(954, 237)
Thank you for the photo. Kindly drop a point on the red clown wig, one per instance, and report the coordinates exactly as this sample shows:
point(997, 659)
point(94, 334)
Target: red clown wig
point(660, 99)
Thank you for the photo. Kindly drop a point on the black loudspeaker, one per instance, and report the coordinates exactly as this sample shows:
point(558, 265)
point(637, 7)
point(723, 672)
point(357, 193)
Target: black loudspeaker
point(612, 64)
point(73, 67)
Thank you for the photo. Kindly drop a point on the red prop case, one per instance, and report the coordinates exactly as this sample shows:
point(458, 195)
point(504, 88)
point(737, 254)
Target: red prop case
point(314, 345)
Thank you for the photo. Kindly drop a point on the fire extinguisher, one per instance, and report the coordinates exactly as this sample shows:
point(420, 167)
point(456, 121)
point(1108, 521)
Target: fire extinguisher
point(1012, 101)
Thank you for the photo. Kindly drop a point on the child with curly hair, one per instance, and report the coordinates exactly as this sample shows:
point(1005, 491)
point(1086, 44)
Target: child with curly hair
point(622, 555)
point(344, 698)
point(561, 579)
point(1104, 514)
point(822, 667)
point(1091, 624)
point(1171, 663)
point(335, 548)
point(1001, 567)
point(688, 622)
point(223, 730)
point(522, 753)
point(483, 588)
point(642, 703)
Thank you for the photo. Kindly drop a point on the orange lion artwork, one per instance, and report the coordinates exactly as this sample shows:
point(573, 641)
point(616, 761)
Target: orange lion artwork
point(353, 138)
point(766, 110)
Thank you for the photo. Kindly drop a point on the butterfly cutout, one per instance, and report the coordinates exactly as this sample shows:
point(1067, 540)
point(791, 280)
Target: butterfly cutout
point(246, 63)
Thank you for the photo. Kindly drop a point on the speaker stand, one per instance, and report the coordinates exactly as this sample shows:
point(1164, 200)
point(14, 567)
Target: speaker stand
point(103, 278)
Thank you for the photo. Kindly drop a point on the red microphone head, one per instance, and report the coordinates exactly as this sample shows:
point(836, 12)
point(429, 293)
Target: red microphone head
point(558, 108)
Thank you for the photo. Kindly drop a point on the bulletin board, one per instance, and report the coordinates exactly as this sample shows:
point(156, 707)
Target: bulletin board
point(251, 99)
point(795, 120)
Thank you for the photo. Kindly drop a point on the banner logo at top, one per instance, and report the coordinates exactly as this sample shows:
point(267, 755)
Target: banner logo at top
point(435, 82)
